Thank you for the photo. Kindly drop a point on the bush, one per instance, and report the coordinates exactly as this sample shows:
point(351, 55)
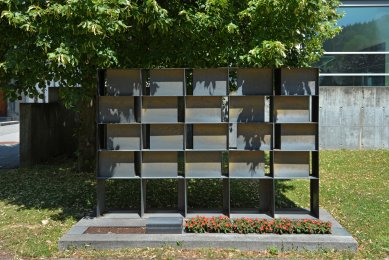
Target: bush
point(222, 224)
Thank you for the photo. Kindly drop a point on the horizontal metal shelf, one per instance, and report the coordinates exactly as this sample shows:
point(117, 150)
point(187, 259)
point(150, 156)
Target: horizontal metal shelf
point(296, 123)
point(251, 178)
point(296, 95)
point(132, 123)
point(162, 123)
point(249, 150)
point(118, 178)
point(296, 178)
point(107, 150)
point(294, 150)
point(161, 150)
point(205, 123)
point(204, 150)
point(206, 177)
point(158, 178)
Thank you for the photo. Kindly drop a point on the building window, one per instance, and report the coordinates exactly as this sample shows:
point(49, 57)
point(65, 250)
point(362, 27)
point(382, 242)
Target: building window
point(359, 55)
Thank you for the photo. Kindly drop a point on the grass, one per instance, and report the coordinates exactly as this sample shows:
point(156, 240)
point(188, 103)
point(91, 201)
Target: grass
point(38, 205)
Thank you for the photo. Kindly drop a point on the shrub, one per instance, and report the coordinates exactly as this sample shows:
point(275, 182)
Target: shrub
point(201, 224)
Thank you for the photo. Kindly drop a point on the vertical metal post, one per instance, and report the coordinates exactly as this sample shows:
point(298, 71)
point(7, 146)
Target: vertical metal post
point(143, 197)
point(314, 183)
point(100, 190)
point(226, 197)
point(266, 196)
point(182, 205)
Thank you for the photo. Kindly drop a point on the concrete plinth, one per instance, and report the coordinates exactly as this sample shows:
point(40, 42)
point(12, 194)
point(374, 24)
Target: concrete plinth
point(340, 239)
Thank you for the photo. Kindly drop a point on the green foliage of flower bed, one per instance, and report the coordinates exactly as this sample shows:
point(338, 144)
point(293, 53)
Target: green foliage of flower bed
point(222, 224)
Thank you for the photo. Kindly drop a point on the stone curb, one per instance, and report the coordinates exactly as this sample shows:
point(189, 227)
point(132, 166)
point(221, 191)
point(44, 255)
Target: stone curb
point(340, 239)
point(226, 241)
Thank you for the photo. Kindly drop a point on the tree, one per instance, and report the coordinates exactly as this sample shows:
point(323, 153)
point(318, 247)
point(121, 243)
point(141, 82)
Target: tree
point(67, 40)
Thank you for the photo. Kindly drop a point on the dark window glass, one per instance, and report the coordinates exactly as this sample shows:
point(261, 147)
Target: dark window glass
point(365, 81)
point(364, 29)
point(354, 63)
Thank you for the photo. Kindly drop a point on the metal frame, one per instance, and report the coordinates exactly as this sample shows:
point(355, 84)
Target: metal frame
point(211, 146)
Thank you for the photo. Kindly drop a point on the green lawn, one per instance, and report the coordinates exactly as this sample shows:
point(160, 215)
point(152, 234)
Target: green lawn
point(38, 205)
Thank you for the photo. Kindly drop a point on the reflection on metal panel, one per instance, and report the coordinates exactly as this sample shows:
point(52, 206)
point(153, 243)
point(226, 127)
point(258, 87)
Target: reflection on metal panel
point(156, 110)
point(203, 109)
point(124, 82)
point(251, 81)
point(123, 137)
point(116, 164)
point(159, 164)
point(302, 81)
point(167, 82)
point(247, 109)
point(210, 136)
point(295, 109)
point(116, 109)
point(291, 164)
point(298, 136)
point(167, 137)
point(210, 82)
point(203, 164)
point(251, 136)
point(246, 164)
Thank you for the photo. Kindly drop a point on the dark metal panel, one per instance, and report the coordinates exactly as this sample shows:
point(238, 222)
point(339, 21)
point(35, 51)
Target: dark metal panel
point(247, 109)
point(159, 164)
point(210, 136)
point(123, 82)
point(167, 82)
point(116, 109)
point(203, 109)
point(253, 136)
point(291, 164)
point(210, 82)
point(254, 81)
point(203, 164)
point(298, 136)
point(123, 137)
point(246, 164)
point(159, 109)
point(167, 137)
point(293, 109)
point(298, 81)
point(116, 164)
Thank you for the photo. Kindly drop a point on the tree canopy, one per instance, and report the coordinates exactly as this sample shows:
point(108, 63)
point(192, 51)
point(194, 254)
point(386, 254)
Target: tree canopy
point(67, 40)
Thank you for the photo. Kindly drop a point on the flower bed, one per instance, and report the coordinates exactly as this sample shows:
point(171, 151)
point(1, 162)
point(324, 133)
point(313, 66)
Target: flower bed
point(222, 224)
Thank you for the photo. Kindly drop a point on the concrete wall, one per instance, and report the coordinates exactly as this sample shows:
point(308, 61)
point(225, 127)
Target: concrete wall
point(354, 117)
point(46, 131)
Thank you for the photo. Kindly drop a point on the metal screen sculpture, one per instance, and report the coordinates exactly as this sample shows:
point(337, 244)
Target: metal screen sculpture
point(218, 123)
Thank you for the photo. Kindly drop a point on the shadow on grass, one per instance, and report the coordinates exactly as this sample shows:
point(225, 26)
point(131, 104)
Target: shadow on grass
point(60, 188)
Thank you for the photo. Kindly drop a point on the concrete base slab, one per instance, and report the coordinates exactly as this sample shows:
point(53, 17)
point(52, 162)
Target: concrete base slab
point(340, 239)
